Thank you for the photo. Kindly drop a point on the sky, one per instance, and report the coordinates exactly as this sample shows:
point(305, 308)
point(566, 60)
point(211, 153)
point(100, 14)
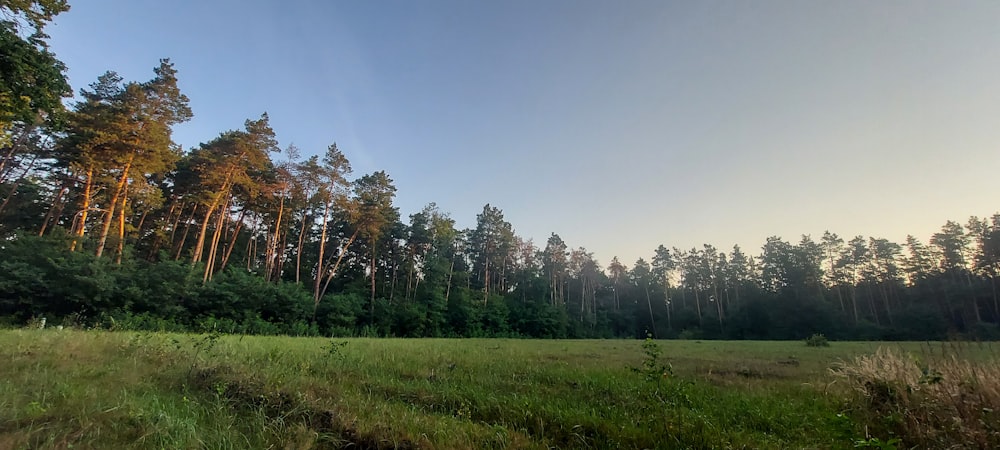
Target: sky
point(619, 125)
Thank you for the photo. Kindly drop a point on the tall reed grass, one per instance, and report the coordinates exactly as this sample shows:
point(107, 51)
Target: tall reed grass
point(934, 400)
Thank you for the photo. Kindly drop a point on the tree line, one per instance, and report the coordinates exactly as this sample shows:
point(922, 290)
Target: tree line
point(106, 220)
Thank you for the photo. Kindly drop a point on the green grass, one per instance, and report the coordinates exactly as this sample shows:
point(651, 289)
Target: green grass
point(90, 389)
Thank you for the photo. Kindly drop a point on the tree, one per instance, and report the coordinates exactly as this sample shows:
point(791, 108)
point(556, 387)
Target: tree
point(588, 273)
point(234, 160)
point(953, 243)
point(988, 259)
point(832, 246)
point(332, 188)
point(921, 263)
point(883, 271)
point(555, 265)
point(32, 80)
point(617, 272)
point(140, 135)
point(641, 277)
point(664, 266)
point(490, 245)
point(89, 143)
point(33, 15)
point(739, 272)
point(374, 194)
point(777, 264)
point(852, 261)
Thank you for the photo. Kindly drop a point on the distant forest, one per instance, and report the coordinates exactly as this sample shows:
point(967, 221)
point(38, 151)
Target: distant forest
point(105, 221)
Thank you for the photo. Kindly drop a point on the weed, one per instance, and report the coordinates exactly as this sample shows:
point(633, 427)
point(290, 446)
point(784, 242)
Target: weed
point(203, 345)
point(651, 368)
point(335, 349)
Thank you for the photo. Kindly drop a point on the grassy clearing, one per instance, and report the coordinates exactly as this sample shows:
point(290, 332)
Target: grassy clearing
point(87, 389)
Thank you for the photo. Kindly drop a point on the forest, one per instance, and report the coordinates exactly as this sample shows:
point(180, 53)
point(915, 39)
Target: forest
point(106, 221)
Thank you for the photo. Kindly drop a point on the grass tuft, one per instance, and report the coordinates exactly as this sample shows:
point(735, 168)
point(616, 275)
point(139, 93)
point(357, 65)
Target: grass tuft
point(943, 402)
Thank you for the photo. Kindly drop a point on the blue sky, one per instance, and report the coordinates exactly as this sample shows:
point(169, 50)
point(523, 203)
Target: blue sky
point(618, 125)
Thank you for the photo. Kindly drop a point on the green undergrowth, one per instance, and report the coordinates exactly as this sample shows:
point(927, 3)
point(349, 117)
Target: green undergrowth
point(88, 389)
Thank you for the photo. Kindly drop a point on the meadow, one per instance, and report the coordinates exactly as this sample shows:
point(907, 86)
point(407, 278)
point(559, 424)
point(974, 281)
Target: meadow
point(79, 389)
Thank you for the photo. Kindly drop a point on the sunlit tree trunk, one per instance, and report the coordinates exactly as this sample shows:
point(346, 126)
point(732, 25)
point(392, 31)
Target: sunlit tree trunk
point(272, 248)
point(298, 248)
point(115, 199)
point(120, 248)
point(81, 221)
point(216, 200)
point(213, 248)
point(320, 269)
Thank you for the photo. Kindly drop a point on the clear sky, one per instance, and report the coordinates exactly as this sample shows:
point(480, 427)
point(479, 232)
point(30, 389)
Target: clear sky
point(619, 125)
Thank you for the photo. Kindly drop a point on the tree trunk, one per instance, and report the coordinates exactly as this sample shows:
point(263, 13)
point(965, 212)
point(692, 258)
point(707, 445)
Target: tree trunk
point(81, 224)
point(372, 304)
point(451, 271)
point(298, 251)
point(333, 271)
point(697, 303)
point(279, 268)
point(223, 192)
point(52, 215)
point(996, 303)
point(232, 241)
point(486, 286)
point(649, 303)
point(272, 248)
point(392, 285)
point(409, 277)
point(120, 248)
point(187, 229)
point(142, 221)
point(320, 273)
point(885, 302)
point(854, 301)
point(199, 245)
point(840, 297)
point(871, 304)
point(17, 184)
point(666, 302)
point(213, 248)
point(109, 216)
point(13, 148)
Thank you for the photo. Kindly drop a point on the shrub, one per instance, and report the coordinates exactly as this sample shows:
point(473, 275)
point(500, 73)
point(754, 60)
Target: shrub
point(948, 403)
point(689, 334)
point(817, 340)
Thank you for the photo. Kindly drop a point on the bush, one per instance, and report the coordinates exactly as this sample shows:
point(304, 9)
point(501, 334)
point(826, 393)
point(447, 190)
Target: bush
point(817, 340)
point(689, 334)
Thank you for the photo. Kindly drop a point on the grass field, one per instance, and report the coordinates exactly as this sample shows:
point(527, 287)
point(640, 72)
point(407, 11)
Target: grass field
point(92, 389)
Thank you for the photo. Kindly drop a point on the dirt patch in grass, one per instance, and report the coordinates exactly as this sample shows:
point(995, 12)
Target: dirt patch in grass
point(554, 429)
point(299, 414)
point(747, 372)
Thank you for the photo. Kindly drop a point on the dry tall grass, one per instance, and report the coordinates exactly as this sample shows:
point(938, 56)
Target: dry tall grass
point(936, 401)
